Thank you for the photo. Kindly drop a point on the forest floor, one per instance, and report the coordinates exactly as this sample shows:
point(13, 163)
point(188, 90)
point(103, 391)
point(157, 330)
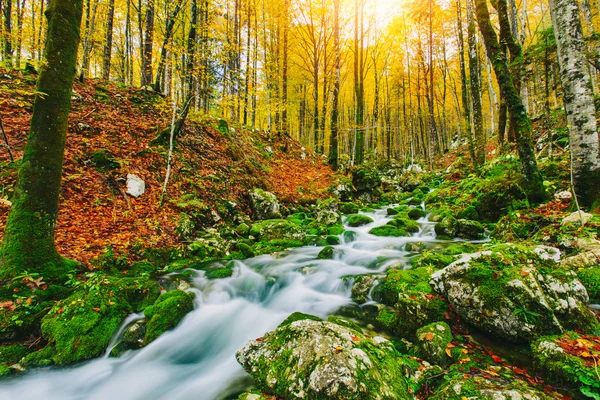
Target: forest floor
point(110, 128)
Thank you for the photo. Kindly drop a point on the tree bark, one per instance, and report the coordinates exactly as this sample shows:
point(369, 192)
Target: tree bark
point(532, 177)
point(333, 138)
point(28, 243)
point(475, 78)
point(578, 99)
point(109, 39)
point(148, 43)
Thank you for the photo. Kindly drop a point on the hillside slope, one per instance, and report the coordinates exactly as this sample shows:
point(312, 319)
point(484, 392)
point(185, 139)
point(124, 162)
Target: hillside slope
point(109, 134)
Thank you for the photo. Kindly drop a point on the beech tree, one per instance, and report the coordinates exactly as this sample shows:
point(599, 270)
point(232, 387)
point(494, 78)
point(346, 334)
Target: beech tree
point(578, 99)
point(28, 243)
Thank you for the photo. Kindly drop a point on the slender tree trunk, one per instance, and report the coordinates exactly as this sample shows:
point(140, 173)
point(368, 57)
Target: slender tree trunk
point(578, 99)
point(284, 78)
point(28, 243)
point(87, 43)
point(148, 44)
point(160, 71)
point(8, 51)
point(333, 138)
point(475, 75)
point(466, 103)
point(520, 120)
point(109, 39)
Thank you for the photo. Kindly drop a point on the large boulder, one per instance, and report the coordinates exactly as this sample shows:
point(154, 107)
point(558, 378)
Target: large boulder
point(264, 204)
point(468, 229)
point(327, 212)
point(465, 386)
point(166, 313)
point(510, 292)
point(309, 359)
point(446, 227)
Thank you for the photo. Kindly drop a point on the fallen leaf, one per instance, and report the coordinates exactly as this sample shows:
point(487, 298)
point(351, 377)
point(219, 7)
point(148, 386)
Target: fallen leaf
point(7, 305)
point(429, 336)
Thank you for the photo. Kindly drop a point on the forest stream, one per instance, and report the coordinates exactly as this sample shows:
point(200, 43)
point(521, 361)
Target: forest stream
point(197, 359)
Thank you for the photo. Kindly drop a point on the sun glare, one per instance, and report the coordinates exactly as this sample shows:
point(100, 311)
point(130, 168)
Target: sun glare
point(385, 10)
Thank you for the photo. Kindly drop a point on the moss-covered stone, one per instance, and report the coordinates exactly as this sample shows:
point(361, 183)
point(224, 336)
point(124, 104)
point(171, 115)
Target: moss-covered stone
point(321, 360)
point(510, 292)
point(277, 229)
point(388, 230)
point(446, 227)
point(298, 316)
point(433, 341)
point(242, 229)
point(327, 212)
point(398, 281)
point(416, 213)
point(570, 360)
point(349, 208)
point(12, 354)
point(168, 310)
point(467, 229)
point(402, 222)
point(357, 220)
point(264, 204)
point(326, 254)
point(362, 287)
point(219, 273)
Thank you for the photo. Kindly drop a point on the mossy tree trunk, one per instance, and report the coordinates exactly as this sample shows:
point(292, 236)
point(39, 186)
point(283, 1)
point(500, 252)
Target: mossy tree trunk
point(578, 99)
point(534, 185)
point(28, 243)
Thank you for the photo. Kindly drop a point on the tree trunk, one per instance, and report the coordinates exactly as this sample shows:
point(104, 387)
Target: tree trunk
point(475, 77)
point(160, 71)
point(533, 182)
point(7, 11)
point(109, 38)
point(578, 99)
point(28, 243)
point(333, 138)
point(148, 42)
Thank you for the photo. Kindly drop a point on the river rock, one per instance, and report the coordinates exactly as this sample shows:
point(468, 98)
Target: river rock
point(264, 204)
point(361, 288)
point(468, 229)
point(432, 341)
point(327, 212)
point(135, 185)
point(309, 359)
point(365, 180)
point(589, 255)
point(512, 293)
point(446, 227)
point(277, 229)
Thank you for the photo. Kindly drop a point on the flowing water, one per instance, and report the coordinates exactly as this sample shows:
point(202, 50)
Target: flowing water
point(197, 359)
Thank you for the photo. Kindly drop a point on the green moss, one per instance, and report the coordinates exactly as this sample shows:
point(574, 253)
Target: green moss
point(402, 222)
point(332, 240)
point(298, 316)
point(433, 340)
point(348, 208)
point(80, 327)
point(219, 273)
point(416, 213)
point(168, 310)
point(345, 322)
point(12, 354)
point(103, 160)
point(388, 230)
point(40, 358)
point(356, 220)
point(590, 278)
point(396, 282)
point(335, 230)
point(326, 254)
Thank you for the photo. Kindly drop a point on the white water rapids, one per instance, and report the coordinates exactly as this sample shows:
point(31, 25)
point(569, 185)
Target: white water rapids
point(197, 359)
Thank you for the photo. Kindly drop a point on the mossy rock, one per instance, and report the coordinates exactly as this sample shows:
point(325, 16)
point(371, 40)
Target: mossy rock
point(402, 281)
point(446, 227)
point(40, 358)
point(104, 161)
point(433, 341)
point(277, 229)
point(512, 293)
point(362, 287)
point(12, 354)
point(326, 254)
point(467, 229)
point(357, 220)
point(365, 180)
point(402, 222)
point(166, 313)
point(416, 213)
point(388, 230)
point(348, 208)
point(219, 273)
point(321, 360)
point(242, 229)
point(298, 316)
point(332, 240)
point(246, 250)
point(81, 326)
point(345, 322)
point(564, 360)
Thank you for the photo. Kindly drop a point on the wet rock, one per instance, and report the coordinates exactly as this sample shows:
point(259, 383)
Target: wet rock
point(362, 287)
point(312, 359)
point(510, 292)
point(548, 253)
point(166, 313)
point(326, 254)
point(432, 341)
point(410, 181)
point(327, 212)
point(343, 192)
point(242, 229)
point(133, 337)
point(468, 229)
point(357, 220)
point(348, 208)
point(589, 255)
point(264, 204)
point(416, 213)
point(446, 227)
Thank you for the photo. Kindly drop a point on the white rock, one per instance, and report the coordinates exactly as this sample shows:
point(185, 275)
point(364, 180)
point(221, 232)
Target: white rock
point(577, 217)
point(548, 253)
point(564, 195)
point(135, 185)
